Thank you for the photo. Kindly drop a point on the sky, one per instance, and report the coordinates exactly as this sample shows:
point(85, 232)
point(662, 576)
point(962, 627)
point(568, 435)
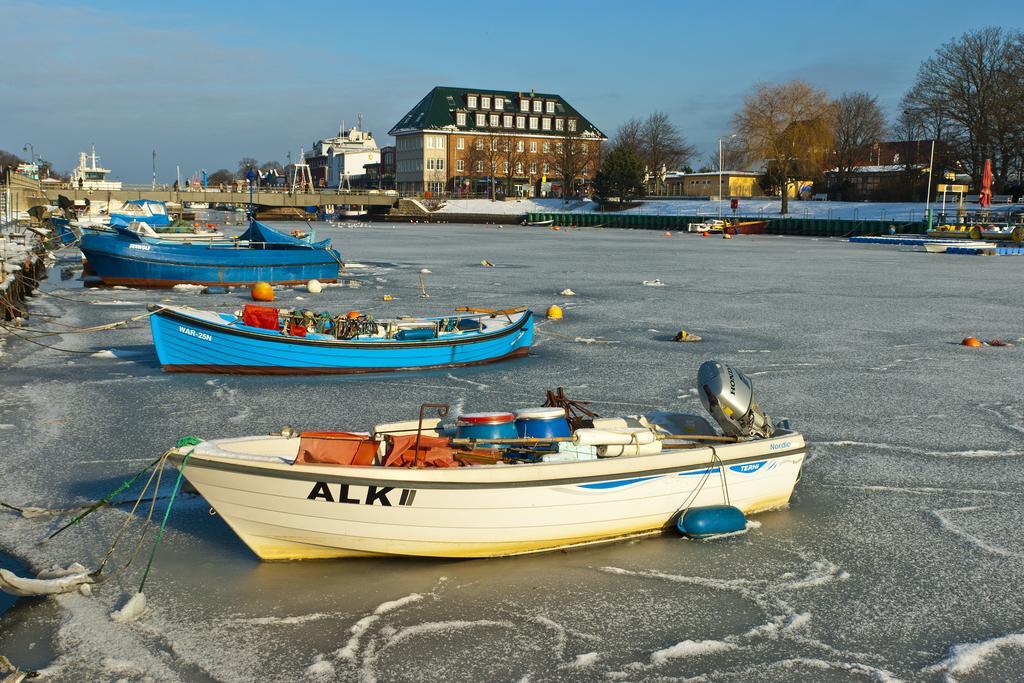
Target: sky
point(205, 84)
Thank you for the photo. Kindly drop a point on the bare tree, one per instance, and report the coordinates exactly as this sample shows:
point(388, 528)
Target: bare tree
point(974, 83)
point(859, 124)
point(573, 158)
point(788, 126)
point(630, 136)
point(512, 158)
point(663, 147)
point(483, 159)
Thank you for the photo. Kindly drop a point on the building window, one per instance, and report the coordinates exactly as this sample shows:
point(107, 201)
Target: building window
point(550, 106)
point(547, 147)
point(481, 120)
point(506, 120)
point(583, 147)
point(559, 124)
point(439, 164)
point(533, 123)
point(430, 164)
point(460, 143)
point(460, 165)
point(485, 102)
point(494, 120)
point(519, 168)
point(524, 105)
point(430, 142)
point(533, 145)
point(479, 167)
point(572, 125)
point(533, 167)
point(460, 118)
point(537, 106)
point(545, 168)
point(546, 123)
point(505, 168)
point(520, 146)
point(439, 142)
point(471, 101)
point(520, 122)
point(558, 147)
point(494, 145)
point(479, 144)
point(499, 103)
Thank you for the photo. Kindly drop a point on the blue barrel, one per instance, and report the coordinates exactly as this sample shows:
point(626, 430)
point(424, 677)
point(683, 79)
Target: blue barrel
point(542, 423)
point(415, 334)
point(486, 426)
point(711, 520)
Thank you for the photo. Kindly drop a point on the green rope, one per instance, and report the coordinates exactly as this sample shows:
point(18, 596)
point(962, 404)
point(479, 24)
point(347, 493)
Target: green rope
point(107, 499)
point(182, 442)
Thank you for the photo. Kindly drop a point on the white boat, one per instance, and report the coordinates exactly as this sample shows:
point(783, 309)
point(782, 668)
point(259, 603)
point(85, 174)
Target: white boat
point(88, 176)
point(940, 247)
point(712, 226)
point(616, 479)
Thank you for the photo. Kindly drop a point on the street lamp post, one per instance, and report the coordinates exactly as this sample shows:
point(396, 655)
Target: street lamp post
point(28, 147)
point(721, 164)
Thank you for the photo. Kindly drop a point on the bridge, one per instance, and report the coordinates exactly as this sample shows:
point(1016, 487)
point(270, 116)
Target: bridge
point(262, 196)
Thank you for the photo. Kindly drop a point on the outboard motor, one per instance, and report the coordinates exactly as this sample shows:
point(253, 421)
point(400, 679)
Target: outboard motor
point(729, 396)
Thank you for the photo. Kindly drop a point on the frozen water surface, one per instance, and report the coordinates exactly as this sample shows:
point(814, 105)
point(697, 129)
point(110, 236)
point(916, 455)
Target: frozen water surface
point(899, 558)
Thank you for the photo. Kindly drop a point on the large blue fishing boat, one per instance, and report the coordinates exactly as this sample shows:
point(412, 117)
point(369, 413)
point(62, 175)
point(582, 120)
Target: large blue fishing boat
point(260, 254)
point(264, 340)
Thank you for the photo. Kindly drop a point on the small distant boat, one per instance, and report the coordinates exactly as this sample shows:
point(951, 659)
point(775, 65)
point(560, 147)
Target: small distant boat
point(713, 226)
point(540, 224)
point(497, 484)
point(260, 254)
point(746, 228)
point(266, 341)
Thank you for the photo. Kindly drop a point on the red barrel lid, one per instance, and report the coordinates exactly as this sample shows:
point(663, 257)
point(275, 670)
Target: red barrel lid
point(486, 418)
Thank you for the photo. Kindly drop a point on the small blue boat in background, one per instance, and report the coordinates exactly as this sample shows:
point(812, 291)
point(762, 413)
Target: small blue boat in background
point(266, 341)
point(260, 254)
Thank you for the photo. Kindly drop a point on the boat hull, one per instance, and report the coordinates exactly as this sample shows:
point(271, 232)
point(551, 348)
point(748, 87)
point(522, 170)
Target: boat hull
point(138, 263)
point(291, 512)
point(747, 228)
point(189, 343)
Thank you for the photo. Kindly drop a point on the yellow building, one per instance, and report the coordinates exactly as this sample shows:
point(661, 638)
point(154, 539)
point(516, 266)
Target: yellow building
point(733, 184)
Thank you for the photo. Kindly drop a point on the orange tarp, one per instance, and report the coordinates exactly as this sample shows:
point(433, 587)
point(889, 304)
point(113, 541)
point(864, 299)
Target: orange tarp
point(434, 452)
point(336, 448)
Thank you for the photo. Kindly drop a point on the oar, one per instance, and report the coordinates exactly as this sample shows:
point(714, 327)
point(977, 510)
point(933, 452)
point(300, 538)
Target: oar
point(526, 440)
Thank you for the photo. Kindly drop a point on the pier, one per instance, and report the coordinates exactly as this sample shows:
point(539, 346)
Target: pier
point(262, 196)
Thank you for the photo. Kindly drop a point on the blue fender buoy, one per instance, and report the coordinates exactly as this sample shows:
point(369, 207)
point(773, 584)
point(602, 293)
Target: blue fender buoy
point(711, 520)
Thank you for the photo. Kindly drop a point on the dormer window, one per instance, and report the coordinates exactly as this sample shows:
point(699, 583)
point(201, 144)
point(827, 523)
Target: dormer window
point(520, 122)
point(559, 124)
point(471, 101)
point(572, 125)
point(546, 123)
point(533, 123)
point(494, 120)
point(524, 105)
point(481, 120)
point(550, 104)
point(537, 106)
point(506, 120)
point(460, 118)
point(485, 102)
point(499, 103)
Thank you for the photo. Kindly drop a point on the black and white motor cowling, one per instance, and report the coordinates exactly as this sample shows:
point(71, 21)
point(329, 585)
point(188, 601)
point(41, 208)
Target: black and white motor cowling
point(729, 396)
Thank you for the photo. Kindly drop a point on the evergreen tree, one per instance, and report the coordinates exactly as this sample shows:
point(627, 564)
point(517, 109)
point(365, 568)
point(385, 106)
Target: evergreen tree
point(621, 175)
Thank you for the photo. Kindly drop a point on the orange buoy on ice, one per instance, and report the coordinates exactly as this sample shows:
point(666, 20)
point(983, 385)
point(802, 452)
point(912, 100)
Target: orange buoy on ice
point(971, 341)
point(262, 291)
point(668, 234)
point(555, 227)
point(554, 312)
point(352, 315)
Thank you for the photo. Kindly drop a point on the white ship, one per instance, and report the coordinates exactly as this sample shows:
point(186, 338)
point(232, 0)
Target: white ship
point(88, 176)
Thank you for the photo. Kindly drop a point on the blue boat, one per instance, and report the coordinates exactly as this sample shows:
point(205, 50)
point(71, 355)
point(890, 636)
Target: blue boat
point(266, 341)
point(260, 254)
point(147, 211)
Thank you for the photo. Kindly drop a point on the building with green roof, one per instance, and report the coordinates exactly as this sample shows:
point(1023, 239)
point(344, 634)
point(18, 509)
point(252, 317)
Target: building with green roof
point(469, 140)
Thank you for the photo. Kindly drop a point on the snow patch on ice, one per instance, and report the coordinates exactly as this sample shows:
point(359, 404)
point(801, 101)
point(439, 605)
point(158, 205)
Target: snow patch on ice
point(131, 610)
point(191, 289)
point(442, 626)
point(968, 657)
point(691, 648)
point(105, 353)
point(585, 660)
